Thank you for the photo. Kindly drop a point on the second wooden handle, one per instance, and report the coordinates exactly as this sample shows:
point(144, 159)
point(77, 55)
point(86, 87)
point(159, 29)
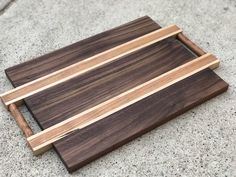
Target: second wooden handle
point(190, 44)
point(20, 120)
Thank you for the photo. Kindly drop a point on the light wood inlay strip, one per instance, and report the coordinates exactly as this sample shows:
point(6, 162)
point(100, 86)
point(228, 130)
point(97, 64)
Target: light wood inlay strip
point(44, 139)
point(19, 93)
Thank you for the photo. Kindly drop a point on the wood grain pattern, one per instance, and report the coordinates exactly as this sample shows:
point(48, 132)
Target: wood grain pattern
point(41, 140)
point(43, 65)
point(69, 72)
point(88, 144)
point(76, 95)
point(87, 90)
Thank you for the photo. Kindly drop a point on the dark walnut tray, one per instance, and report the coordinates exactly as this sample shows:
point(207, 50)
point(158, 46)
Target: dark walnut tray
point(71, 97)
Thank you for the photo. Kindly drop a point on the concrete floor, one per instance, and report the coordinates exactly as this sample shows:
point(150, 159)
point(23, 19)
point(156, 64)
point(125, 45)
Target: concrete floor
point(201, 142)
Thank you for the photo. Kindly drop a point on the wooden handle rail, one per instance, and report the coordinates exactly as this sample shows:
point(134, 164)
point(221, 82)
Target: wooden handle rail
point(43, 140)
point(62, 75)
point(20, 120)
point(197, 50)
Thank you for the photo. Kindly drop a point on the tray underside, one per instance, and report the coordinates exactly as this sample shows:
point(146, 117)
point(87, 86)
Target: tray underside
point(62, 101)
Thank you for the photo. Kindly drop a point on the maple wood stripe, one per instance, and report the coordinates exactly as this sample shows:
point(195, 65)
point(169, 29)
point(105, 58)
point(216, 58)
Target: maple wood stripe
point(45, 138)
point(62, 75)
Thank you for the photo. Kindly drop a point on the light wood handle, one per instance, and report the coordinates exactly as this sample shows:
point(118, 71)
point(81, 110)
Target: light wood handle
point(20, 120)
point(197, 50)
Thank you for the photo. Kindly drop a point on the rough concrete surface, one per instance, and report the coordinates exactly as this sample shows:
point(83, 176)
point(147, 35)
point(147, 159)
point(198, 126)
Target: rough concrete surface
point(201, 142)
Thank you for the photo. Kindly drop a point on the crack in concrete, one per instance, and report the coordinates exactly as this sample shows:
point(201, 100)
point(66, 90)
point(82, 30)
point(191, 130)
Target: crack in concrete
point(6, 6)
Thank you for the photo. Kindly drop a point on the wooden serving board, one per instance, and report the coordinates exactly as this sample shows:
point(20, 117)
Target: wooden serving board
point(60, 102)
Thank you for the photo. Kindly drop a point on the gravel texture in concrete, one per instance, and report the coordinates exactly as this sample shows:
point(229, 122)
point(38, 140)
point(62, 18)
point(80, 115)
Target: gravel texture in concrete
point(200, 142)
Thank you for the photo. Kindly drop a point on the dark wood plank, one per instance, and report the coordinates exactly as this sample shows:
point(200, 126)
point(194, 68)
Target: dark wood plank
point(88, 144)
point(41, 66)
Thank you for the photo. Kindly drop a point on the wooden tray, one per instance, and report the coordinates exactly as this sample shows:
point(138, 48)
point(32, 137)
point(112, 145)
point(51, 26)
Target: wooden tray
point(138, 90)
